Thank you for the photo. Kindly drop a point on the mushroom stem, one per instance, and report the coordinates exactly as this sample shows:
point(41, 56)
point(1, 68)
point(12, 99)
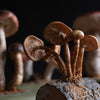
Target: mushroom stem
point(75, 56)
point(58, 59)
point(80, 61)
point(49, 70)
point(67, 60)
point(18, 74)
point(2, 58)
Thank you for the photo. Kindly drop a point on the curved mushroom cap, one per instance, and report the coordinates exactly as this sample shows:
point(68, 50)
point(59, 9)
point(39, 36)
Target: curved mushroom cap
point(9, 22)
point(16, 47)
point(29, 44)
point(89, 22)
point(56, 32)
point(89, 42)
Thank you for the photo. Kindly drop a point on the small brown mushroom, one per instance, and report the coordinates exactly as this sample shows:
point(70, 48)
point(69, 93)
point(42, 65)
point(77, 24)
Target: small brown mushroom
point(35, 50)
point(8, 27)
point(76, 35)
point(16, 51)
point(57, 33)
point(51, 62)
point(88, 43)
point(89, 23)
point(31, 42)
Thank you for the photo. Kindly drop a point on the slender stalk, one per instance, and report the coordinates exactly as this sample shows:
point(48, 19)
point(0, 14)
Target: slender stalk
point(67, 60)
point(80, 61)
point(58, 59)
point(75, 56)
point(2, 58)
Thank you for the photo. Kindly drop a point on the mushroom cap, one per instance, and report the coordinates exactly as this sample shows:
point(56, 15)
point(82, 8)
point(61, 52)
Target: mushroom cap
point(89, 42)
point(16, 47)
point(57, 32)
point(77, 34)
point(9, 22)
point(88, 22)
point(29, 44)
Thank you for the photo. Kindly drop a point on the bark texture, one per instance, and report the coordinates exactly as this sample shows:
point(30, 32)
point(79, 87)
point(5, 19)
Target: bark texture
point(88, 89)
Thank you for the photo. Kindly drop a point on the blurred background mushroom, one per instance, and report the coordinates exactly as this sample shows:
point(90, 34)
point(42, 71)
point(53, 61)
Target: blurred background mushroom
point(16, 51)
point(8, 27)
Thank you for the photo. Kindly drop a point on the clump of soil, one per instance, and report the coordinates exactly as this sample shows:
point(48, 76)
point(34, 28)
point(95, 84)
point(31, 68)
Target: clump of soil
point(12, 91)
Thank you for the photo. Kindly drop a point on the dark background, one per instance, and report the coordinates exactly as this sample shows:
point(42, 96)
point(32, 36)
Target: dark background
point(35, 15)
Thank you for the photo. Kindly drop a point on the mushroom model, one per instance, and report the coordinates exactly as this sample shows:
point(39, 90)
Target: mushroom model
point(16, 51)
point(89, 23)
point(8, 27)
point(71, 86)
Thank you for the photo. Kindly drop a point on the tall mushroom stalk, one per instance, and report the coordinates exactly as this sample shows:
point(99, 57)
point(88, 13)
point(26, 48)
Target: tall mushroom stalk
point(8, 26)
point(76, 35)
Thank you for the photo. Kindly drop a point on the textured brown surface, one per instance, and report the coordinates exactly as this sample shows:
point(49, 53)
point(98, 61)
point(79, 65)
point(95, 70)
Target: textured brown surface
point(60, 90)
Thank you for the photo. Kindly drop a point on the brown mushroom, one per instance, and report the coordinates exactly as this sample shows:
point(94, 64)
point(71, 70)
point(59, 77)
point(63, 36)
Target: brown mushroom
point(57, 33)
point(31, 42)
point(88, 43)
point(51, 62)
point(35, 50)
point(76, 35)
point(8, 27)
point(89, 23)
point(16, 51)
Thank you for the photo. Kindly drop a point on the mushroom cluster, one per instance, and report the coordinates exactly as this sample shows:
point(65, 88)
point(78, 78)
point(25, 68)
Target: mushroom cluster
point(8, 26)
point(71, 86)
point(89, 23)
point(58, 33)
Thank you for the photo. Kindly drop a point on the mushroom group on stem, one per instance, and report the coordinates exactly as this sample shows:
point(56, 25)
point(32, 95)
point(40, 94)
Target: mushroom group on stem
point(8, 27)
point(57, 33)
point(89, 23)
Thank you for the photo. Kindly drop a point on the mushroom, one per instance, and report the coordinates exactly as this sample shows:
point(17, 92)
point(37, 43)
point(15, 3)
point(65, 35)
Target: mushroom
point(88, 43)
point(57, 33)
point(8, 27)
point(76, 35)
point(51, 63)
point(16, 51)
point(68, 87)
point(89, 23)
point(34, 48)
